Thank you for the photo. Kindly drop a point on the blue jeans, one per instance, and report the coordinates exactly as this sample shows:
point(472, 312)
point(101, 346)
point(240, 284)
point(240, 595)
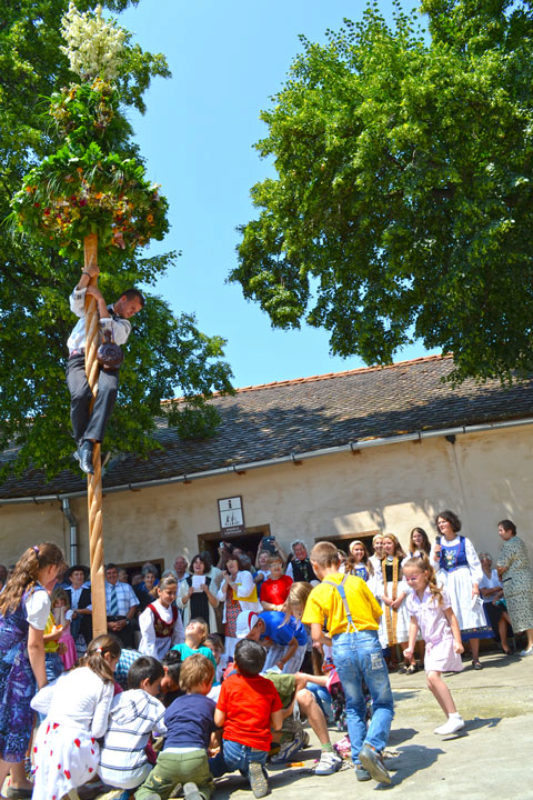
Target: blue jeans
point(323, 698)
point(357, 658)
point(233, 756)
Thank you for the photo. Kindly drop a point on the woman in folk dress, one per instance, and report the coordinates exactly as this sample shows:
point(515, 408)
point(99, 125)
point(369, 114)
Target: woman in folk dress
point(458, 569)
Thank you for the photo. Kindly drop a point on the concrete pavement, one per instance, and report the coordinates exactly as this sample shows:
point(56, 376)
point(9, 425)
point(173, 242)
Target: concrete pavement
point(492, 758)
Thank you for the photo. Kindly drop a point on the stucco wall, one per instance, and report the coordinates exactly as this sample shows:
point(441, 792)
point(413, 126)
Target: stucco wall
point(483, 477)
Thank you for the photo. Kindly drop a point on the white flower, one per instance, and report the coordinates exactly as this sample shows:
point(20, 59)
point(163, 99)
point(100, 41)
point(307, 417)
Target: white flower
point(94, 45)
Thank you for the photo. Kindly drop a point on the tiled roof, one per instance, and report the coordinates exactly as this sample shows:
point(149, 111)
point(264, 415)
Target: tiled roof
point(277, 419)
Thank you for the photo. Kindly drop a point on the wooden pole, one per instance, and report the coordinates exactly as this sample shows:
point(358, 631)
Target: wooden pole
point(94, 482)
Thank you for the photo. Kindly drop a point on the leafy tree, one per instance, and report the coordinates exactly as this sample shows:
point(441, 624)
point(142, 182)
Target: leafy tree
point(35, 281)
point(402, 207)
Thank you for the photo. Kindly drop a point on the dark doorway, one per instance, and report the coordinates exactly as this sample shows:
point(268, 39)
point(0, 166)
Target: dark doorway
point(247, 541)
point(343, 540)
point(135, 567)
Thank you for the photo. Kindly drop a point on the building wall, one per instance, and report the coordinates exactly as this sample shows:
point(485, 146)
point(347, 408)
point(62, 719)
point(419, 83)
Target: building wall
point(483, 477)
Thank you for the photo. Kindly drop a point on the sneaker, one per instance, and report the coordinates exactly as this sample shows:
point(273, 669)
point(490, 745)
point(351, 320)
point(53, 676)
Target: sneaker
point(258, 779)
point(528, 652)
point(361, 773)
point(190, 792)
point(329, 763)
point(372, 761)
point(477, 664)
point(452, 725)
point(287, 751)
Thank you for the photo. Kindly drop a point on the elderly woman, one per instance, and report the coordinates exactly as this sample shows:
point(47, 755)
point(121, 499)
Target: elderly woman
point(515, 572)
point(491, 590)
point(458, 567)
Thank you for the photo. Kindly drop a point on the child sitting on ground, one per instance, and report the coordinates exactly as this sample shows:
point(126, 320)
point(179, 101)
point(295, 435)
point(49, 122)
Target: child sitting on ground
point(248, 709)
point(216, 645)
point(195, 636)
point(77, 707)
point(170, 683)
point(134, 715)
point(190, 731)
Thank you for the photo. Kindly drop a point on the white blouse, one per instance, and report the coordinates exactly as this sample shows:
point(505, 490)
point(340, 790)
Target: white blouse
point(79, 698)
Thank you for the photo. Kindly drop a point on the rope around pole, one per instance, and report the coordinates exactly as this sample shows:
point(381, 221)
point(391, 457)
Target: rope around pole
point(94, 482)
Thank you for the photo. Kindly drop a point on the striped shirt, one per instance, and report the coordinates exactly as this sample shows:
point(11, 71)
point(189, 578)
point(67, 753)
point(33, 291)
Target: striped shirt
point(134, 715)
point(126, 597)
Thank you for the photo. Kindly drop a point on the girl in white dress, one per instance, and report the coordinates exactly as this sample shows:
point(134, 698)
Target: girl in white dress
point(459, 570)
point(77, 708)
point(160, 623)
point(432, 614)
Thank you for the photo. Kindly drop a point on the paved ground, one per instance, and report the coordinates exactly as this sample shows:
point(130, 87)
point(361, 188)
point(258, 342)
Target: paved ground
point(491, 759)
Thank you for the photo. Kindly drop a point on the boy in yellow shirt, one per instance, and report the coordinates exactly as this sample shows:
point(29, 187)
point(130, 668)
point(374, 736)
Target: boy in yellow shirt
point(352, 613)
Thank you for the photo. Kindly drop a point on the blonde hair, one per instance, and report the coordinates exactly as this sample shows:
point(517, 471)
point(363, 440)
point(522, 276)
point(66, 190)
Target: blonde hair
point(422, 564)
point(299, 592)
point(195, 670)
point(351, 562)
point(325, 554)
point(398, 550)
point(25, 575)
point(59, 594)
point(166, 582)
point(94, 657)
point(205, 626)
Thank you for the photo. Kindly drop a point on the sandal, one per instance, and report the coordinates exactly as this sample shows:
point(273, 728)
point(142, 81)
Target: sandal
point(411, 669)
point(477, 664)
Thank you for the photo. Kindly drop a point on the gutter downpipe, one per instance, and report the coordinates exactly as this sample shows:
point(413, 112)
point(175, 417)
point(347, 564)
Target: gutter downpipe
point(73, 542)
point(352, 447)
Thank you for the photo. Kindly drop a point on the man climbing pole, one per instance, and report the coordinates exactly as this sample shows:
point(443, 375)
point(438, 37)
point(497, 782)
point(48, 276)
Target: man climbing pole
point(114, 319)
point(92, 195)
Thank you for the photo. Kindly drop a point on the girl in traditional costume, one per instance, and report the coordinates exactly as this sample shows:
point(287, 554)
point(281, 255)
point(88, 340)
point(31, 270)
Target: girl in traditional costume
point(394, 624)
point(160, 623)
point(24, 610)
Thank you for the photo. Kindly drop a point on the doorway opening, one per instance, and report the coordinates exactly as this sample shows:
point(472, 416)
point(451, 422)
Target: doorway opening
point(343, 540)
point(248, 541)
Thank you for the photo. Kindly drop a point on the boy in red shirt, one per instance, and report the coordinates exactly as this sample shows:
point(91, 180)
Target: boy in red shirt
point(275, 590)
point(248, 709)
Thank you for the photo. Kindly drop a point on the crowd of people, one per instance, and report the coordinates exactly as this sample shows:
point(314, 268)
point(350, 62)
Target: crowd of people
point(207, 669)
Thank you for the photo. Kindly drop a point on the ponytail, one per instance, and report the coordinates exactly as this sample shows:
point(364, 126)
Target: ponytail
point(423, 564)
point(94, 657)
point(26, 573)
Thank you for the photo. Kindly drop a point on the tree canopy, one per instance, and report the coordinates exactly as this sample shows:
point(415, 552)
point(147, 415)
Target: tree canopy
point(402, 207)
point(167, 351)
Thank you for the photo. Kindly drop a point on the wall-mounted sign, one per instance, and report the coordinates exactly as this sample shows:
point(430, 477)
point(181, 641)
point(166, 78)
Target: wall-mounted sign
point(231, 515)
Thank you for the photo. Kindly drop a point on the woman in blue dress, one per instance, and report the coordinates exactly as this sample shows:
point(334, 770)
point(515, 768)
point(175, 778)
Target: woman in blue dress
point(458, 569)
point(24, 610)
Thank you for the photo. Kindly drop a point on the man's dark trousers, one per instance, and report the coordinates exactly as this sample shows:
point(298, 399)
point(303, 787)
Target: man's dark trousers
point(85, 425)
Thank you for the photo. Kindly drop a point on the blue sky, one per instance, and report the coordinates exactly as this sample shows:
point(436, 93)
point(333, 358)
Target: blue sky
point(227, 59)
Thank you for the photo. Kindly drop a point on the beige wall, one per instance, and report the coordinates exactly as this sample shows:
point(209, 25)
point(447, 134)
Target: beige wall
point(483, 477)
